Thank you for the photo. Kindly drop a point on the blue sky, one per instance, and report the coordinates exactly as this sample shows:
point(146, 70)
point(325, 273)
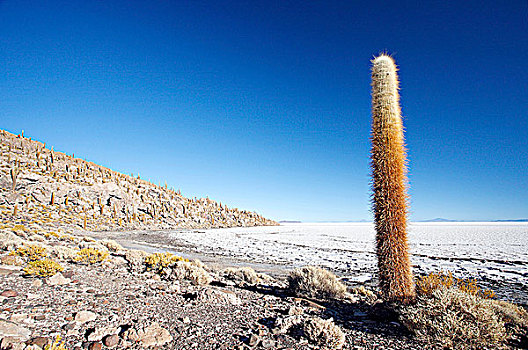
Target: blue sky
point(266, 105)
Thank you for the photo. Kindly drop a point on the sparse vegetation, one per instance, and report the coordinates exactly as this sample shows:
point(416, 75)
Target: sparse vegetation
point(315, 282)
point(242, 274)
point(42, 268)
point(324, 333)
point(452, 318)
point(159, 262)
point(19, 227)
point(90, 256)
point(189, 271)
point(56, 345)
point(111, 245)
point(426, 285)
point(31, 252)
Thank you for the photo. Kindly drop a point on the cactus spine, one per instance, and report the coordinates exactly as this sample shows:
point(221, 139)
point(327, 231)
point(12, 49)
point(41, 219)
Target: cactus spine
point(389, 183)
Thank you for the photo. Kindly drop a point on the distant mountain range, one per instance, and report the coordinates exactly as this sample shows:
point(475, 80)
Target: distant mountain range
point(449, 220)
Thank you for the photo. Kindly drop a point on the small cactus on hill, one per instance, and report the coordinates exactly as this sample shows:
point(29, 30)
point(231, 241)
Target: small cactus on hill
point(14, 174)
point(389, 183)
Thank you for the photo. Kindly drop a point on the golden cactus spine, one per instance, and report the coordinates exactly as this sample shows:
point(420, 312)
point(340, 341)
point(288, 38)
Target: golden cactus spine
point(389, 183)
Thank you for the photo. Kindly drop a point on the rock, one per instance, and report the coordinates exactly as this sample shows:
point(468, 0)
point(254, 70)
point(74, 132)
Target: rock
point(131, 334)
point(11, 260)
point(39, 317)
point(95, 346)
point(283, 325)
point(37, 238)
point(57, 280)
point(68, 274)
point(69, 326)
point(36, 283)
point(100, 332)
point(267, 343)
point(17, 318)
point(253, 340)
point(295, 310)
point(12, 330)
point(31, 296)
point(63, 253)
point(111, 340)
point(216, 296)
point(5, 270)
point(153, 335)
point(10, 241)
point(12, 344)
point(39, 341)
point(33, 347)
point(9, 293)
point(117, 260)
point(85, 316)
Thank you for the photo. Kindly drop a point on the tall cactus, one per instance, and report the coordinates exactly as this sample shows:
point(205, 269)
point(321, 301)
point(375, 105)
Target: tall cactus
point(389, 183)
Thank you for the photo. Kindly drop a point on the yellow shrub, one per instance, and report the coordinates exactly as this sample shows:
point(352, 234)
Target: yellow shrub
point(90, 256)
point(56, 345)
point(427, 284)
point(157, 262)
point(32, 252)
point(42, 268)
point(51, 234)
point(67, 237)
point(19, 228)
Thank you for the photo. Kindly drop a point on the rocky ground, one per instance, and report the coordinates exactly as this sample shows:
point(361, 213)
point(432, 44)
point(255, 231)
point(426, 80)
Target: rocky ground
point(106, 305)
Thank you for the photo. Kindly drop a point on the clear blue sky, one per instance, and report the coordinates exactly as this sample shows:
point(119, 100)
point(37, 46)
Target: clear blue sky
point(265, 105)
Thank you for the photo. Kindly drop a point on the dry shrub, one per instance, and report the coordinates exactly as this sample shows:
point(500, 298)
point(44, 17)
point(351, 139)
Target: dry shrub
point(189, 271)
point(63, 253)
point(10, 241)
point(135, 259)
point(453, 318)
point(324, 333)
point(245, 276)
point(315, 282)
point(111, 245)
point(427, 284)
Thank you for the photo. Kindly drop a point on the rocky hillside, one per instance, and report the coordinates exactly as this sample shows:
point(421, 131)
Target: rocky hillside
point(48, 188)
